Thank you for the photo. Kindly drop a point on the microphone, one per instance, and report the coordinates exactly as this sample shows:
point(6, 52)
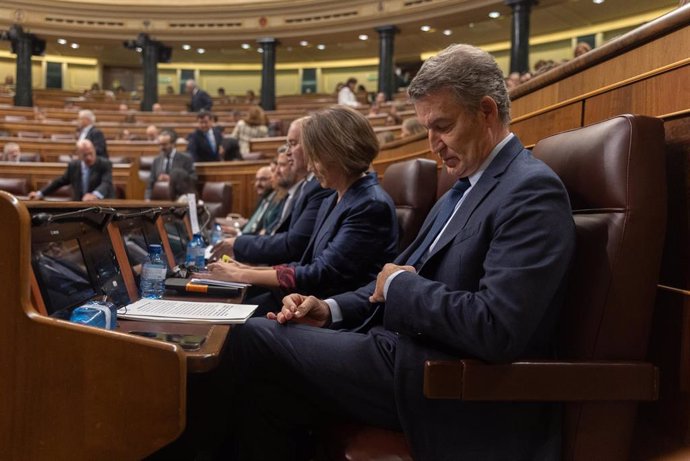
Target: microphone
point(45, 218)
point(151, 213)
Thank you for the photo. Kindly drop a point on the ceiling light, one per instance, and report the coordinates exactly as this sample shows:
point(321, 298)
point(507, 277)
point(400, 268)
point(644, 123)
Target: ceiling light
point(494, 14)
point(246, 46)
point(304, 43)
point(447, 32)
point(186, 47)
point(425, 28)
point(363, 37)
point(62, 41)
point(75, 45)
point(201, 50)
point(321, 46)
point(598, 2)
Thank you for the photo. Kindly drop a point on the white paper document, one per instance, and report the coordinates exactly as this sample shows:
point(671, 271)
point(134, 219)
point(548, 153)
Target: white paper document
point(163, 310)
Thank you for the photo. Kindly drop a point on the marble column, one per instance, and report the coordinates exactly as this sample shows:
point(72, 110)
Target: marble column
point(386, 73)
point(22, 44)
point(268, 73)
point(519, 38)
point(149, 55)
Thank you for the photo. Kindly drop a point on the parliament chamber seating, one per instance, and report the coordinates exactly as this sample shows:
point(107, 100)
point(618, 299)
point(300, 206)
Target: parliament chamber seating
point(15, 186)
point(412, 186)
point(217, 197)
point(614, 172)
point(161, 191)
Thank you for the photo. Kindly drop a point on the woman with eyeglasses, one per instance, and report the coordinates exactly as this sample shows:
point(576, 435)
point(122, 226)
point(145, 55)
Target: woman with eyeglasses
point(356, 229)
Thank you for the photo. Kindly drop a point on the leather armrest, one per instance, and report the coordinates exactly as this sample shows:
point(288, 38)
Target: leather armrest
point(473, 380)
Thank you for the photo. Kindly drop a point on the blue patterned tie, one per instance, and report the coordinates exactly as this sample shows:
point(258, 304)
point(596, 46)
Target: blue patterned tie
point(447, 207)
point(211, 140)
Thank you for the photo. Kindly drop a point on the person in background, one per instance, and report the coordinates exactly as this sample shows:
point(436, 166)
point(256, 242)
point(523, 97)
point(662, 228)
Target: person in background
point(152, 133)
point(296, 223)
point(156, 107)
point(91, 176)
point(581, 48)
point(385, 137)
point(204, 142)
point(356, 229)
point(181, 183)
point(254, 126)
point(200, 100)
point(87, 130)
point(484, 279)
point(169, 90)
point(11, 152)
point(346, 95)
point(411, 127)
point(230, 150)
point(167, 161)
point(250, 97)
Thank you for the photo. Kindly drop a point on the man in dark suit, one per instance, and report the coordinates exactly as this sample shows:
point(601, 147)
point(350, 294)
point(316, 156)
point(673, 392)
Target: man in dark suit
point(296, 224)
point(200, 99)
point(91, 177)
point(87, 130)
point(484, 278)
point(168, 160)
point(204, 142)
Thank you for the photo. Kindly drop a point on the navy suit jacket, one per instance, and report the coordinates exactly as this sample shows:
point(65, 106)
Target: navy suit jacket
point(181, 160)
point(97, 138)
point(200, 100)
point(100, 179)
point(352, 240)
point(291, 237)
point(199, 147)
point(491, 289)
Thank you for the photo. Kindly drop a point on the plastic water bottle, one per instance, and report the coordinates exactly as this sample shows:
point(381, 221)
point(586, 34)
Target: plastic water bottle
point(196, 249)
point(153, 274)
point(217, 234)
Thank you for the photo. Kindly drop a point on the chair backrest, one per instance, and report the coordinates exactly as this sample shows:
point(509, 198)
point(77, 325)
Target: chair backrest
point(614, 172)
point(29, 134)
point(15, 186)
point(412, 186)
point(29, 157)
point(145, 163)
point(161, 191)
point(217, 197)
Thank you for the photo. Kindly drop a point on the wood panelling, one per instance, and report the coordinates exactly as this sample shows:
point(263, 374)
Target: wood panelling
point(657, 95)
point(533, 129)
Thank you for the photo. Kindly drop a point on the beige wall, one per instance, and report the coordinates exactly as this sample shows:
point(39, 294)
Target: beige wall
point(367, 76)
point(79, 77)
point(7, 67)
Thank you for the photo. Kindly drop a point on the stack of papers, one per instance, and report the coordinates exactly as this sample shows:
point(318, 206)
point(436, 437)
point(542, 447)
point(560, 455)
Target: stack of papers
point(163, 310)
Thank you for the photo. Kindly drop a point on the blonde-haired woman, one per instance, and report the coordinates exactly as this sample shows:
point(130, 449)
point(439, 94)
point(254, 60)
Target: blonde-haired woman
point(253, 126)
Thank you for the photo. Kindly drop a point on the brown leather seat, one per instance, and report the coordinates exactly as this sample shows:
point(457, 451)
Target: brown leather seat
point(15, 186)
point(217, 197)
point(161, 191)
point(29, 157)
point(145, 163)
point(614, 172)
point(412, 186)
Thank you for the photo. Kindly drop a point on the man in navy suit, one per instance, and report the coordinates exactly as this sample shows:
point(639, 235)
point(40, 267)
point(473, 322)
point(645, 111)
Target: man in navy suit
point(484, 278)
point(87, 130)
point(168, 160)
point(200, 99)
point(91, 177)
point(204, 143)
point(292, 234)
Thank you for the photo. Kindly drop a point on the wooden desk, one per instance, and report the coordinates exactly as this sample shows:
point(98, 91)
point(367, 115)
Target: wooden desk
point(201, 361)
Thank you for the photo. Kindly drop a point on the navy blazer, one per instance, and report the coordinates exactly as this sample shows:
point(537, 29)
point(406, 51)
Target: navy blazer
point(491, 289)
point(352, 240)
point(97, 138)
point(100, 179)
point(292, 235)
point(181, 160)
point(200, 100)
point(199, 147)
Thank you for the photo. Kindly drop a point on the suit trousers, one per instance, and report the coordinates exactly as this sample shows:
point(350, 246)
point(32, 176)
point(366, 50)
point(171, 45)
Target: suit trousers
point(296, 378)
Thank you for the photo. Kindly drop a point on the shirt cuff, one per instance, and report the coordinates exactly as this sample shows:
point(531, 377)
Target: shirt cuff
point(336, 313)
point(388, 283)
point(98, 194)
